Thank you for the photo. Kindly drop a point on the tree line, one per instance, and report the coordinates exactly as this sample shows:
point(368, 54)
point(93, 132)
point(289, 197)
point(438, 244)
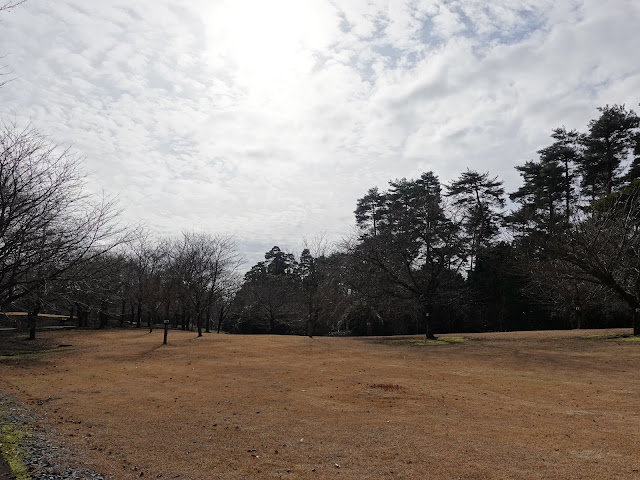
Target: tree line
point(431, 257)
point(426, 257)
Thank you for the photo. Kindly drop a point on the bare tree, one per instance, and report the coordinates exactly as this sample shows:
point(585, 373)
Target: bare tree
point(49, 228)
point(225, 301)
point(5, 7)
point(11, 4)
point(148, 261)
point(603, 249)
point(204, 266)
point(322, 295)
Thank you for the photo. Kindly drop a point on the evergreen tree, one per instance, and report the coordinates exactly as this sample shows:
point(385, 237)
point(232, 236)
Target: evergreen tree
point(500, 285)
point(634, 168)
point(369, 211)
point(541, 196)
point(269, 294)
point(566, 152)
point(610, 140)
point(418, 248)
point(278, 262)
point(481, 199)
point(311, 279)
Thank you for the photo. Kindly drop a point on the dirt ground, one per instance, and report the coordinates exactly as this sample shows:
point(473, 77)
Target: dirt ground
point(535, 405)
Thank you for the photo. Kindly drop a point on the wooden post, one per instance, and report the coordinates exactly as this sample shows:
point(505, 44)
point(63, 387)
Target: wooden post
point(166, 330)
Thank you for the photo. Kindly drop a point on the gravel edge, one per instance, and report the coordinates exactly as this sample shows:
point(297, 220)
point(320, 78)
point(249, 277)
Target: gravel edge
point(45, 458)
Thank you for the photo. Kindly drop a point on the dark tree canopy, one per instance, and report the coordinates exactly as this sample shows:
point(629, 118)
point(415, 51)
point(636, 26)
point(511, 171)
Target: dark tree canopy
point(369, 211)
point(541, 196)
point(416, 248)
point(611, 138)
point(565, 153)
point(481, 199)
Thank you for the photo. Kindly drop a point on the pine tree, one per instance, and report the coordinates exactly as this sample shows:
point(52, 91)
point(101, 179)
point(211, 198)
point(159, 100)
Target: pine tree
point(417, 249)
point(610, 140)
point(634, 168)
point(278, 262)
point(369, 211)
point(567, 152)
point(541, 196)
point(481, 199)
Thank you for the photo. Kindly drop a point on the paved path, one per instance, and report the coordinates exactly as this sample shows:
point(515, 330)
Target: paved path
point(5, 471)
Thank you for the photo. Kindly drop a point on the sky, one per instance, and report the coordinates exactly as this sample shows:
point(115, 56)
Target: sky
point(267, 120)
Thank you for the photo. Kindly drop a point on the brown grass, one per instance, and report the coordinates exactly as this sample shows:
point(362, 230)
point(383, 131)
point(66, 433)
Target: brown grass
point(500, 406)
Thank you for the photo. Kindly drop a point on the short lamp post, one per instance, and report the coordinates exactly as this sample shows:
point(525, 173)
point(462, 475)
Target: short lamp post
point(166, 330)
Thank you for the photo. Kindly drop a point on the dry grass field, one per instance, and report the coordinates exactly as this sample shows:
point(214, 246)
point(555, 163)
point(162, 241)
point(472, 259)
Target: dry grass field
point(538, 405)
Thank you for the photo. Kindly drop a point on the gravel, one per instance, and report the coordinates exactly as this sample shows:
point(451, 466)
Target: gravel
point(44, 456)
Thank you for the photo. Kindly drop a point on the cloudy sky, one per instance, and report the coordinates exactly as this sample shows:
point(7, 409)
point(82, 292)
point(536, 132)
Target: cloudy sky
point(266, 120)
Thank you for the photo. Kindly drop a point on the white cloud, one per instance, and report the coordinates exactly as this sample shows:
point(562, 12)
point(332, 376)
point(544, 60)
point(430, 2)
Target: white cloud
point(267, 120)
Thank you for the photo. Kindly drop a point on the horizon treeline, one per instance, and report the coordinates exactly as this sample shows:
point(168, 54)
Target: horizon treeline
point(427, 257)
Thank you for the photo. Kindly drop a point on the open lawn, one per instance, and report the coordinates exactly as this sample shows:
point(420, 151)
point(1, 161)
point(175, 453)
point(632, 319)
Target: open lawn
point(539, 405)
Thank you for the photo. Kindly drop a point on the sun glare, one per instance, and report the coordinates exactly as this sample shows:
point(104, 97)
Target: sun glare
point(265, 41)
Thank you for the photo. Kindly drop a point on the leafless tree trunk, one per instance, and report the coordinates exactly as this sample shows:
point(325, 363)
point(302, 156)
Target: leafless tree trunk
point(203, 266)
point(50, 229)
point(32, 319)
point(602, 249)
